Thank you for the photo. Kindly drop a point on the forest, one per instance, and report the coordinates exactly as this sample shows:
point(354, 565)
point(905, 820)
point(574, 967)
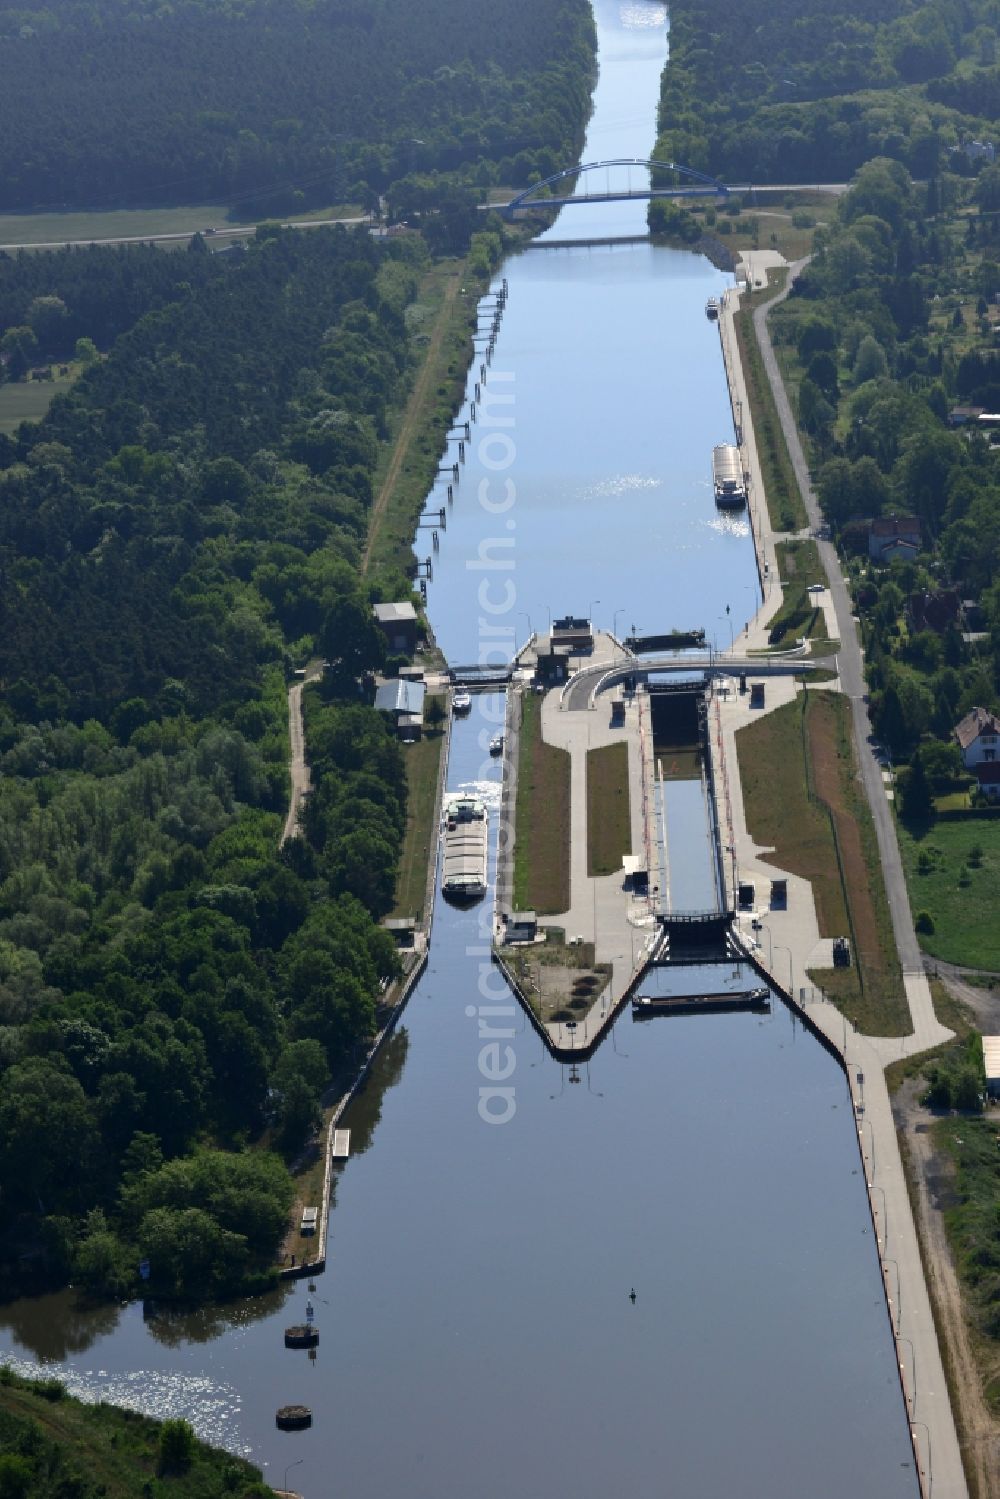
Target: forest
point(804, 91)
point(182, 527)
point(277, 105)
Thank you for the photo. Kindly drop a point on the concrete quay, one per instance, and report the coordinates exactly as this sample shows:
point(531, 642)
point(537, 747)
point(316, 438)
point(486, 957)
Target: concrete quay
point(793, 944)
point(621, 925)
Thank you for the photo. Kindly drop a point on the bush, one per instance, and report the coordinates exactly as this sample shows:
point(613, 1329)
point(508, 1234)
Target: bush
point(924, 923)
point(176, 1447)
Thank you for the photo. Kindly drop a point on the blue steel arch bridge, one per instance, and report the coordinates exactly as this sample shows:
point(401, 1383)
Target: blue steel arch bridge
point(650, 182)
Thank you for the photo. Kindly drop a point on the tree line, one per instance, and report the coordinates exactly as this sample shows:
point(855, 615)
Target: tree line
point(275, 105)
point(185, 523)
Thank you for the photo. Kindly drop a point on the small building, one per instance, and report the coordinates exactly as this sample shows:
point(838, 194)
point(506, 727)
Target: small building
point(552, 665)
point(398, 623)
point(402, 929)
point(988, 779)
point(963, 416)
point(578, 634)
point(893, 536)
point(310, 1217)
point(522, 926)
point(991, 1063)
point(405, 702)
point(935, 611)
point(779, 894)
point(978, 737)
point(756, 694)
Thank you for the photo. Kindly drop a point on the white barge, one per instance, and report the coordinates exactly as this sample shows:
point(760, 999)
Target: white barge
point(728, 479)
point(465, 847)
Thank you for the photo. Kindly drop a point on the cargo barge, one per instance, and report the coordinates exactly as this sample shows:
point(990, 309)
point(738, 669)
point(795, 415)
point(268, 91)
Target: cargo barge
point(646, 1005)
point(728, 478)
point(464, 854)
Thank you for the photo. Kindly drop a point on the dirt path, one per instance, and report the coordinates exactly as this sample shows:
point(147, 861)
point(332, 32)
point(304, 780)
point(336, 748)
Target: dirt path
point(980, 1431)
point(411, 417)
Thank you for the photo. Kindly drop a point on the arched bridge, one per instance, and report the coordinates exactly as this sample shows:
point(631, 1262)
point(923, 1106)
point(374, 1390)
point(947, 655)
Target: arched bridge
point(700, 185)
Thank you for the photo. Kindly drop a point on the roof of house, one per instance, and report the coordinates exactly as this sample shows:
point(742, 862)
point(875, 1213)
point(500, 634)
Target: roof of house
point(393, 614)
point(976, 722)
point(907, 527)
point(401, 697)
point(991, 1056)
point(988, 773)
point(935, 611)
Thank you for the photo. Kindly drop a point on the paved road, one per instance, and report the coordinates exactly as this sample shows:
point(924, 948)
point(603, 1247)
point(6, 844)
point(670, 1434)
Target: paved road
point(581, 687)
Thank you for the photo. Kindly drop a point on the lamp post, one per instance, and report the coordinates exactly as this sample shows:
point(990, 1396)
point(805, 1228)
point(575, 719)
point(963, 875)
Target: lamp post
point(295, 1464)
point(614, 622)
point(930, 1465)
point(874, 1187)
point(779, 947)
point(913, 1371)
point(590, 611)
point(886, 1260)
point(527, 616)
point(770, 946)
point(732, 639)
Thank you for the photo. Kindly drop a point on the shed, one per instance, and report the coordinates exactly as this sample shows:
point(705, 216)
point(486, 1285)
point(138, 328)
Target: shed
point(522, 926)
point(401, 698)
point(756, 694)
point(398, 623)
point(402, 929)
point(410, 727)
point(779, 894)
point(991, 1062)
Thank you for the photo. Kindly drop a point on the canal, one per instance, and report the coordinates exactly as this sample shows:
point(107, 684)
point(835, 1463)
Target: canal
point(477, 1331)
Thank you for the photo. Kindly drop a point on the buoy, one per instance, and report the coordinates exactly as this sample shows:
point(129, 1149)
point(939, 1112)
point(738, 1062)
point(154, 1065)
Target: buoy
point(303, 1335)
point(293, 1417)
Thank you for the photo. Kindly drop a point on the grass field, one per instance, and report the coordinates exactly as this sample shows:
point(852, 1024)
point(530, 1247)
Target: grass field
point(446, 312)
point(958, 888)
point(121, 223)
point(799, 568)
point(28, 402)
point(784, 503)
point(799, 783)
point(541, 822)
point(609, 820)
point(423, 762)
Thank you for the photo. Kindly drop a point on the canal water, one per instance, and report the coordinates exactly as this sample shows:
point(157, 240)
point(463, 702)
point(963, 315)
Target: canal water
point(477, 1333)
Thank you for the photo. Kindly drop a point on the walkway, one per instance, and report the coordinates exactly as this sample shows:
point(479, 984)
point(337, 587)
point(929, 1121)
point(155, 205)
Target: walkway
point(788, 945)
point(298, 770)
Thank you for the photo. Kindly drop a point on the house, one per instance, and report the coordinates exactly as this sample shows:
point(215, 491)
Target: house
point(988, 779)
point(991, 1065)
point(893, 536)
point(935, 611)
point(578, 634)
point(961, 416)
point(405, 702)
point(398, 623)
point(978, 737)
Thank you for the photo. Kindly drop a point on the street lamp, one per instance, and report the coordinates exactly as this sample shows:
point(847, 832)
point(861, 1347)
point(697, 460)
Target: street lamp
point(913, 1370)
point(614, 622)
point(527, 616)
point(590, 610)
point(886, 1260)
point(930, 1466)
point(874, 1187)
point(779, 947)
point(295, 1464)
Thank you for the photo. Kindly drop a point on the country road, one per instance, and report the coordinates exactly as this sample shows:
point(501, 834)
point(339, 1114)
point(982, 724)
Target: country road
point(298, 770)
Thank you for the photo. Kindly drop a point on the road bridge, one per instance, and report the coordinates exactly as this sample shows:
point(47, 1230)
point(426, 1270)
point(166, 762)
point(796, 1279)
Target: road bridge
point(583, 689)
point(698, 184)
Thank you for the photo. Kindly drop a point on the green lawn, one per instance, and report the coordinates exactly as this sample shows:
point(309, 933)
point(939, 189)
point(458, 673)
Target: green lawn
point(542, 818)
point(423, 762)
point(784, 503)
point(28, 402)
point(609, 820)
point(799, 568)
point(962, 899)
point(118, 223)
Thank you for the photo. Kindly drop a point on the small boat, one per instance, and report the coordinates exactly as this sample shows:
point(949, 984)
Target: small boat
point(645, 1005)
point(496, 744)
point(464, 854)
point(462, 701)
point(712, 308)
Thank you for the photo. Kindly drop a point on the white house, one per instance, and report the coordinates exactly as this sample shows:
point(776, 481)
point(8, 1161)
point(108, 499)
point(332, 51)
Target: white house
point(978, 737)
